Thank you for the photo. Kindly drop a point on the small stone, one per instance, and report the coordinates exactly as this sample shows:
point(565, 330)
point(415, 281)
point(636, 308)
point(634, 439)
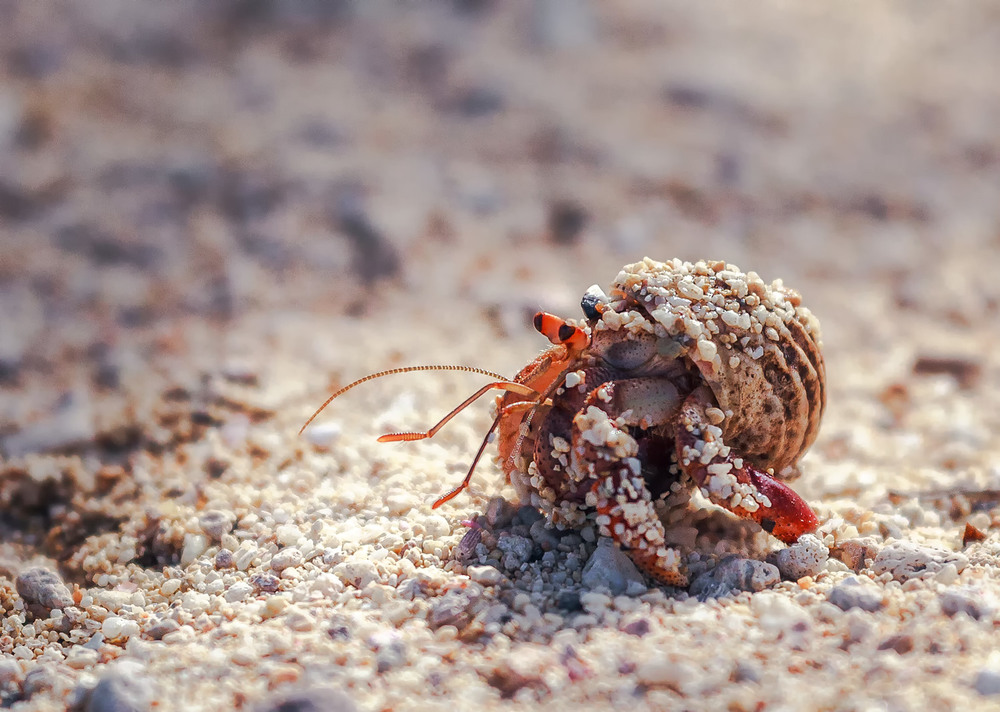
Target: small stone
point(324, 434)
point(852, 593)
point(569, 601)
point(906, 560)
point(594, 602)
point(238, 591)
point(216, 523)
point(451, 609)
point(43, 589)
point(987, 682)
point(485, 575)
point(124, 690)
point(546, 537)
point(856, 552)
point(638, 628)
point(10, 671)
point(224, 560)
point(526, 515)
point(499, 513)
point(288, 535)
point(356, 573)
point(517, 550)
point(118, 628)
point(194, 546)
point(265, 583)
point(308, 699)
point(78, 657)
point(777, 613)
point(732, 574)
point(901, 643)
point(286, 558)
point(806, 557)
point(973, 602)
point(659, 671)
point(610, 568)
point(298, 620)
point(160, 628)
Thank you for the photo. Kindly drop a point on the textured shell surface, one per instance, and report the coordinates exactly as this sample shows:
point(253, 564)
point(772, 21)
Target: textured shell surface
point(755, 345)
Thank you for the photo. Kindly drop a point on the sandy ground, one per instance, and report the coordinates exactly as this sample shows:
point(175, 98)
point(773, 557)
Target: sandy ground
point(210, 218)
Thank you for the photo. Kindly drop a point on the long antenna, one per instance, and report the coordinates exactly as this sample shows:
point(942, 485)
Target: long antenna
point(392, 371)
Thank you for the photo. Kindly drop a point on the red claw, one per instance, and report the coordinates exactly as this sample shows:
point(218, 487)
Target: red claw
point(788, 517)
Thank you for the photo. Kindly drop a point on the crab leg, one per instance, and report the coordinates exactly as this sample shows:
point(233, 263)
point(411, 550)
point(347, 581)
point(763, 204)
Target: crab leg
point(509, 386)
point(733, 483)
point(605, 454)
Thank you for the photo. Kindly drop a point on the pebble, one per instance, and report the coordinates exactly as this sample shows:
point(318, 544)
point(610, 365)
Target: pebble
point(298, 620)
point(499, 513)
point(638, 628)
point(972, 601)
point(265, 583)
point(777, 613)
point(485, 575)
point(610, 568)
point(856, 552)
point(516, 550)
point(160, 628)
point(323, 434)
point(194, 546)
point(356, 573)
point(123, 690)
point(451, 609)
point(216, 523)
point(906, 560)
point(987, 682)
point(43, 588)
point(238, 591)
point(852, 593)
point(118, 628)
point(732, 574)
point(224, 560)
point(806, 557)
point(546, 537)
point(10, 671)
point(78, 657)
point(288, 535)
point(308, 699)
point(286, 558)
point(660, 671)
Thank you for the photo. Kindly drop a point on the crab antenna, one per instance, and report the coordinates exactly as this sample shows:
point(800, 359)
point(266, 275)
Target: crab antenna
point(390, 372)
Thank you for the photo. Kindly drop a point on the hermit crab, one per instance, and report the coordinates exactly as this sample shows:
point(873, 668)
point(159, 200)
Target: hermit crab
point(684, 375)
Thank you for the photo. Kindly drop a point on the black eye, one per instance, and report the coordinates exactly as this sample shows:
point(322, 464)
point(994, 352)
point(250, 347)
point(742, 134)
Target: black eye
point(589, 305)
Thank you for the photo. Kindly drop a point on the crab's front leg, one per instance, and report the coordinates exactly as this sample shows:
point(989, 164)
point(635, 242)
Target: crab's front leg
point(604, 455)
point(731, 482)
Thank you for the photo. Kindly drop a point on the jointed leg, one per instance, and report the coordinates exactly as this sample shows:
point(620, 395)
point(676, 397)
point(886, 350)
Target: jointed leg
point(731, 482)
point(605, 454)
point(501, 385)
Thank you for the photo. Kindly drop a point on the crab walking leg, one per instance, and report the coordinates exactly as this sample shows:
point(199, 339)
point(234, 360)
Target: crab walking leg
point(508, 386)
point(733, 483)
point(604, 454)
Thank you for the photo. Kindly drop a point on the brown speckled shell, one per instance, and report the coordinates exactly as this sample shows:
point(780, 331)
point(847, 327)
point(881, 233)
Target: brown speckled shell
point(772, 389)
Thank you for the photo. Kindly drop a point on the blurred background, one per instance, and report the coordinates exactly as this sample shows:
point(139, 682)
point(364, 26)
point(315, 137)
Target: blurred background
point(190, 187)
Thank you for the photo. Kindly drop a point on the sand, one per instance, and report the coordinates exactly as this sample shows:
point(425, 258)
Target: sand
point(211, 218)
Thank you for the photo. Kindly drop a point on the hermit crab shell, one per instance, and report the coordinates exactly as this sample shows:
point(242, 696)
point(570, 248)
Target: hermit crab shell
point(755, 346)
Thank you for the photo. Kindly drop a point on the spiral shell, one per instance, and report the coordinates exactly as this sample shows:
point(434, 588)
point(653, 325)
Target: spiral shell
point(754, 344)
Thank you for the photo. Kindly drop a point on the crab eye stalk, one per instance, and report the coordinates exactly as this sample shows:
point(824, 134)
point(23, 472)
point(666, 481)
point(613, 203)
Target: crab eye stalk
point(594, 302)
point(560, 332)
